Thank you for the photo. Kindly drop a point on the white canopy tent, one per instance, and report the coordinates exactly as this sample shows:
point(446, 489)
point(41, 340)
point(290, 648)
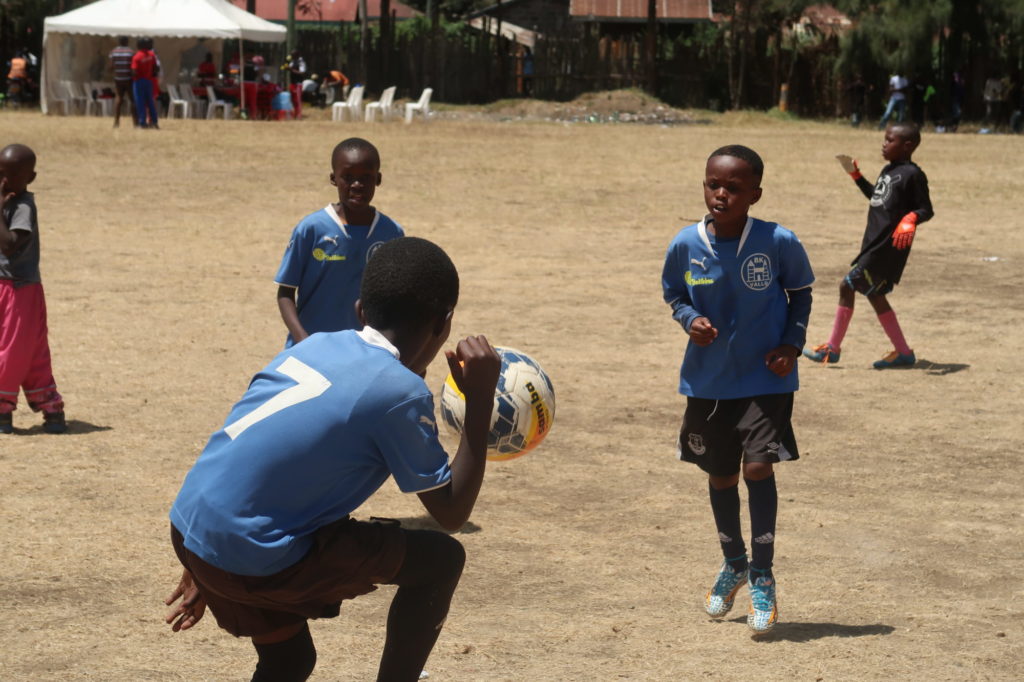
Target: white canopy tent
point(76, 44)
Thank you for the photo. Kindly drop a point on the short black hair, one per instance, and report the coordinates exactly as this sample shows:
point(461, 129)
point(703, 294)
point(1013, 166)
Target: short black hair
point(907, 130)
point(408, 283)
point(20, 156)
point(744, 153)
point(355, 144)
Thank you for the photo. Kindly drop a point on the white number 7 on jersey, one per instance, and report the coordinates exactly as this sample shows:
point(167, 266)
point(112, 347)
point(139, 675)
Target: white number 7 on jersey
point(311, 383)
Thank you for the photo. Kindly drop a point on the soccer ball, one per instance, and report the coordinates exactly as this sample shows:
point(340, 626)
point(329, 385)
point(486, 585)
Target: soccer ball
point(524, 406)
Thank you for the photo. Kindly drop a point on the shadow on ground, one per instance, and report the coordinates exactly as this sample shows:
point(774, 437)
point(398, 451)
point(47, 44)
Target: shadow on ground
point(75, 427)
point(938, 368)
point(806, 632)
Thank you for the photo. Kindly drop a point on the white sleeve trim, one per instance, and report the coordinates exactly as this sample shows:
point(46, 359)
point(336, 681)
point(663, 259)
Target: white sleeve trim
point(427, 490)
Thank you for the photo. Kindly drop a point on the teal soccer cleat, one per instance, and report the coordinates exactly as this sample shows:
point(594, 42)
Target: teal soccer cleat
point(763, 609)
point(896, 359)
point(825, 354)
point(719, 598)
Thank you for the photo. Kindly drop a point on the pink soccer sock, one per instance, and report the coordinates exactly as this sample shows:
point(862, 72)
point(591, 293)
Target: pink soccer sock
point(893, 331)
point(839, 326)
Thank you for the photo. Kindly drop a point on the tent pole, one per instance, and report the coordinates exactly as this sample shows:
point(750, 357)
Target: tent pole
point(241, 75)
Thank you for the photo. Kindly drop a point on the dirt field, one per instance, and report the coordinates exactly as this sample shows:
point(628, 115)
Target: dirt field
point(900, 529)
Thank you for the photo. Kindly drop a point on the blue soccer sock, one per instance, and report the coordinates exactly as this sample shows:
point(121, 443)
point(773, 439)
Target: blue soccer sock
point(764, 508)
point(725, 505)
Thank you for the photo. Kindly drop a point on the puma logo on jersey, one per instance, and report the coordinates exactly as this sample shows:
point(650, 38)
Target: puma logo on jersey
point(700, 262)
point(329, 238)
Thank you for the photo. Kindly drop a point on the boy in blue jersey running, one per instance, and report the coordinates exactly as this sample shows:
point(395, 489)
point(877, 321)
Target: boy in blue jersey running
point(262, 523)
point(741, 288)
point(329, 249)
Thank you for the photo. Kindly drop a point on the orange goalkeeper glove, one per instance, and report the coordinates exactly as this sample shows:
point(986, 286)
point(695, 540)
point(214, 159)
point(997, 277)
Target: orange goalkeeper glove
point(904, 234)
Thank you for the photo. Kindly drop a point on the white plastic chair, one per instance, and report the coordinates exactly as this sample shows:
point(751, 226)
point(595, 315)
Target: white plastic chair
point(353, 106)
point(176, 103)
point(76, 93)
point(197, 106)
point(385, 105)
point(63, 98)
point(215, 103)
point(422, 106)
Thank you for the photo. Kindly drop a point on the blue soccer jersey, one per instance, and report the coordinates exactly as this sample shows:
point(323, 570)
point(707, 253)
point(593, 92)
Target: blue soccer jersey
point(740, 285)
point(324, 260)
point(318, 431)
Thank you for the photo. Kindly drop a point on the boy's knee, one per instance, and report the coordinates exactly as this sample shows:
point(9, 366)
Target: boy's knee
point(757, 471)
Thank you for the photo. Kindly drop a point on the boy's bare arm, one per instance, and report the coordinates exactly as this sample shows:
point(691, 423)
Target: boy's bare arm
point(290, 313)
point(475, 366)
point(11, 241)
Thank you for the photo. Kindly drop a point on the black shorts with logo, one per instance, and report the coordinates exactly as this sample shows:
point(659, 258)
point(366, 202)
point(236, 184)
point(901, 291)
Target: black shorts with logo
point(718, 435)
point(874, 282)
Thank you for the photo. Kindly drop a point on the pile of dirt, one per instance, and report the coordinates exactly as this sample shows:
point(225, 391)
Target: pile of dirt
point(613, 106)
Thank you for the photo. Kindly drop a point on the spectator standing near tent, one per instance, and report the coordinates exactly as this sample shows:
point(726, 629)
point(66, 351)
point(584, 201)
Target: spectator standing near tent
point(121, 64)
point(897, 100)
point(144, 71)
point(296, 66)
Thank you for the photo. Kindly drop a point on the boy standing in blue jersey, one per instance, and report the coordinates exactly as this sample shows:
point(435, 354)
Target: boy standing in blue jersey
point(899, 200)
point(329, 249)
point(262, 524)
point(741, 288)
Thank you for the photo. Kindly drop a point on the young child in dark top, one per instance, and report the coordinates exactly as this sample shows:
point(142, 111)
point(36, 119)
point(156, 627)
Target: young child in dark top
point(24, 349)
point(899, 202)
point(741, 289)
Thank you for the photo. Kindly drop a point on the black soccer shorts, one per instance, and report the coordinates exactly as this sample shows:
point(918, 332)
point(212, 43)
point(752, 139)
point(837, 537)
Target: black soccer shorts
point(718, 435)
point(869, 283)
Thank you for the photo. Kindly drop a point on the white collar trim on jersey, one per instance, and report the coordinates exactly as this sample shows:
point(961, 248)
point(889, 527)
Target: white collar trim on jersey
point(341, 225)
point(702, 230)
point(375, 338)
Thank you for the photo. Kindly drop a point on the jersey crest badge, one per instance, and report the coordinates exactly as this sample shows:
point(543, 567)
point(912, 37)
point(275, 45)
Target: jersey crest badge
point(695, 442)
point(883, 189)
point(756, 272)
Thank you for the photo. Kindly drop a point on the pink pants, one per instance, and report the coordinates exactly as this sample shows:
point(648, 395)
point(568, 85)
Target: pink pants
point(24, 351)
point(296, 91)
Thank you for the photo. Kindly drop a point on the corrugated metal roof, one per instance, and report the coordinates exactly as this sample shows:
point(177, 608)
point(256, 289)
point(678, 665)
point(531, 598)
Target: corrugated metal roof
point(636, 10)
point(325, 10)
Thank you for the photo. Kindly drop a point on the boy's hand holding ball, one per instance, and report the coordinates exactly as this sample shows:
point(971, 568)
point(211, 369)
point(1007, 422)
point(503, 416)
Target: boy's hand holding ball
point(475, 366)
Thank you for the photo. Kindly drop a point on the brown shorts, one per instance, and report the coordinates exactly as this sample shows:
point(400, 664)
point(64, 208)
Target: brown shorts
point(348, 558)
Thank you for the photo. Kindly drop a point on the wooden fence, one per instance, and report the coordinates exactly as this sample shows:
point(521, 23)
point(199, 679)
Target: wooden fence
point(475, 67)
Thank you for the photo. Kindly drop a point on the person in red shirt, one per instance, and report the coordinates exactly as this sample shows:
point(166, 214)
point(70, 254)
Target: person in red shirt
point(144, 71)
point(207, 71)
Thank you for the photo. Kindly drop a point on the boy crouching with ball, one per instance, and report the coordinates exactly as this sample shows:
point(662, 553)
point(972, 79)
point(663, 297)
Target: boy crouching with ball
point(261, 524)
point(741, 288)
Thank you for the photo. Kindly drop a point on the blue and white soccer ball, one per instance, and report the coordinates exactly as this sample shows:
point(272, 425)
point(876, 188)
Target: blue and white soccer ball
point(524, 406)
